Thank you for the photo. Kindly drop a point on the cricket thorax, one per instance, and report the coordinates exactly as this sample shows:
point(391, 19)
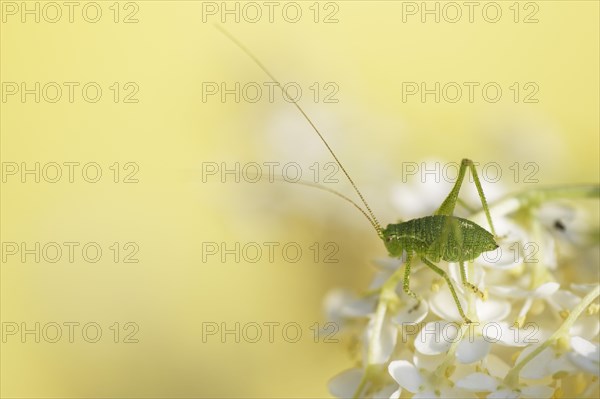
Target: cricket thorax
point(450, 238)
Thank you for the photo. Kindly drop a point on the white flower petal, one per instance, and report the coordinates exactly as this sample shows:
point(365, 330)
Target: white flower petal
point(476, 277)
point(561, 364)
point(456, 393)
point(565, 299)
point(454, 273)
point(548, 251)
point(508, 291)
point(472, 349)
point(503, 394)
point(492, 310)
point(509, 335)
point(537, 392)
point(461, 370)
point(478, 382)
point(496, 366)
point(583, 288)
point(584, 347)
point(359, 308)
point(536, 367)
point(585, 327)
point(429, 394)
point(384, 344)
point(344, 385)
point(515, 291)
point(427, 362)
point(505, 256)
point(585, 355)
point(411, 315)
point(546, 289)
point(436, 337)
point(444, 393)
point(406, 375)
point(342, 303)
point(585, 364)
point(575, 221)
point(499, 259)
point(549, 212)
point(379, 279)
point(388, 392)
point(389, 264)
point(334, 301)
point(443, 305)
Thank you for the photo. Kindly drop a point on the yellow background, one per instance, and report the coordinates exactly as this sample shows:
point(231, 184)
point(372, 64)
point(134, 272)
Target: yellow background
point(169, 213)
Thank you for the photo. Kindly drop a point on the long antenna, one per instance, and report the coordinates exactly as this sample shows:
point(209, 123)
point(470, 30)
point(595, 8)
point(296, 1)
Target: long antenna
point(329, 190)
point(373, 219)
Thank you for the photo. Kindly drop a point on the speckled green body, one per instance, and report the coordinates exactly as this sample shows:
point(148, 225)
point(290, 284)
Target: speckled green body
point(439, 237)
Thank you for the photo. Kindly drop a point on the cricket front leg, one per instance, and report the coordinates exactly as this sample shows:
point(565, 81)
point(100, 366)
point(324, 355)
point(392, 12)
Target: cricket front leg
point(406, 285)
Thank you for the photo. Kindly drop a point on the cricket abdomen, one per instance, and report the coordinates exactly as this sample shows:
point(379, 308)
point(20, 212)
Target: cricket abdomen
point(437, 237)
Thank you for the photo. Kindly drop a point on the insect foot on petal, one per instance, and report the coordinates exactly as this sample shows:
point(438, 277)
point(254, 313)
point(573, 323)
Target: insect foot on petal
point(416, 306)
point(472, 287)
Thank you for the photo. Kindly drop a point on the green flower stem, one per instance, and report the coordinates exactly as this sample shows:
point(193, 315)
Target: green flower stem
point(512, 378)
point(535, 197)
point(361, 386)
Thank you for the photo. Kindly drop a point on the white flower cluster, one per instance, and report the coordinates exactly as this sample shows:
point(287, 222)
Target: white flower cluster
point(534, 334)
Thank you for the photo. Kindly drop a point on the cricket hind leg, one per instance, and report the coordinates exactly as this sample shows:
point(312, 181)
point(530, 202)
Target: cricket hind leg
point(468, 284)
point(450, 286)
point(447, 207)
point(452, 225)
point(455, 247)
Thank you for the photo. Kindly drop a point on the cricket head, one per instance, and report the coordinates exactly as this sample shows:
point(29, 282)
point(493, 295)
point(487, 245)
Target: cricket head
point(392, 241)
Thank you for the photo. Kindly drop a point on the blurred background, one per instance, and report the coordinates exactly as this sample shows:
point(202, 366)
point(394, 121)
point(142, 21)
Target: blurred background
point(199, 289)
